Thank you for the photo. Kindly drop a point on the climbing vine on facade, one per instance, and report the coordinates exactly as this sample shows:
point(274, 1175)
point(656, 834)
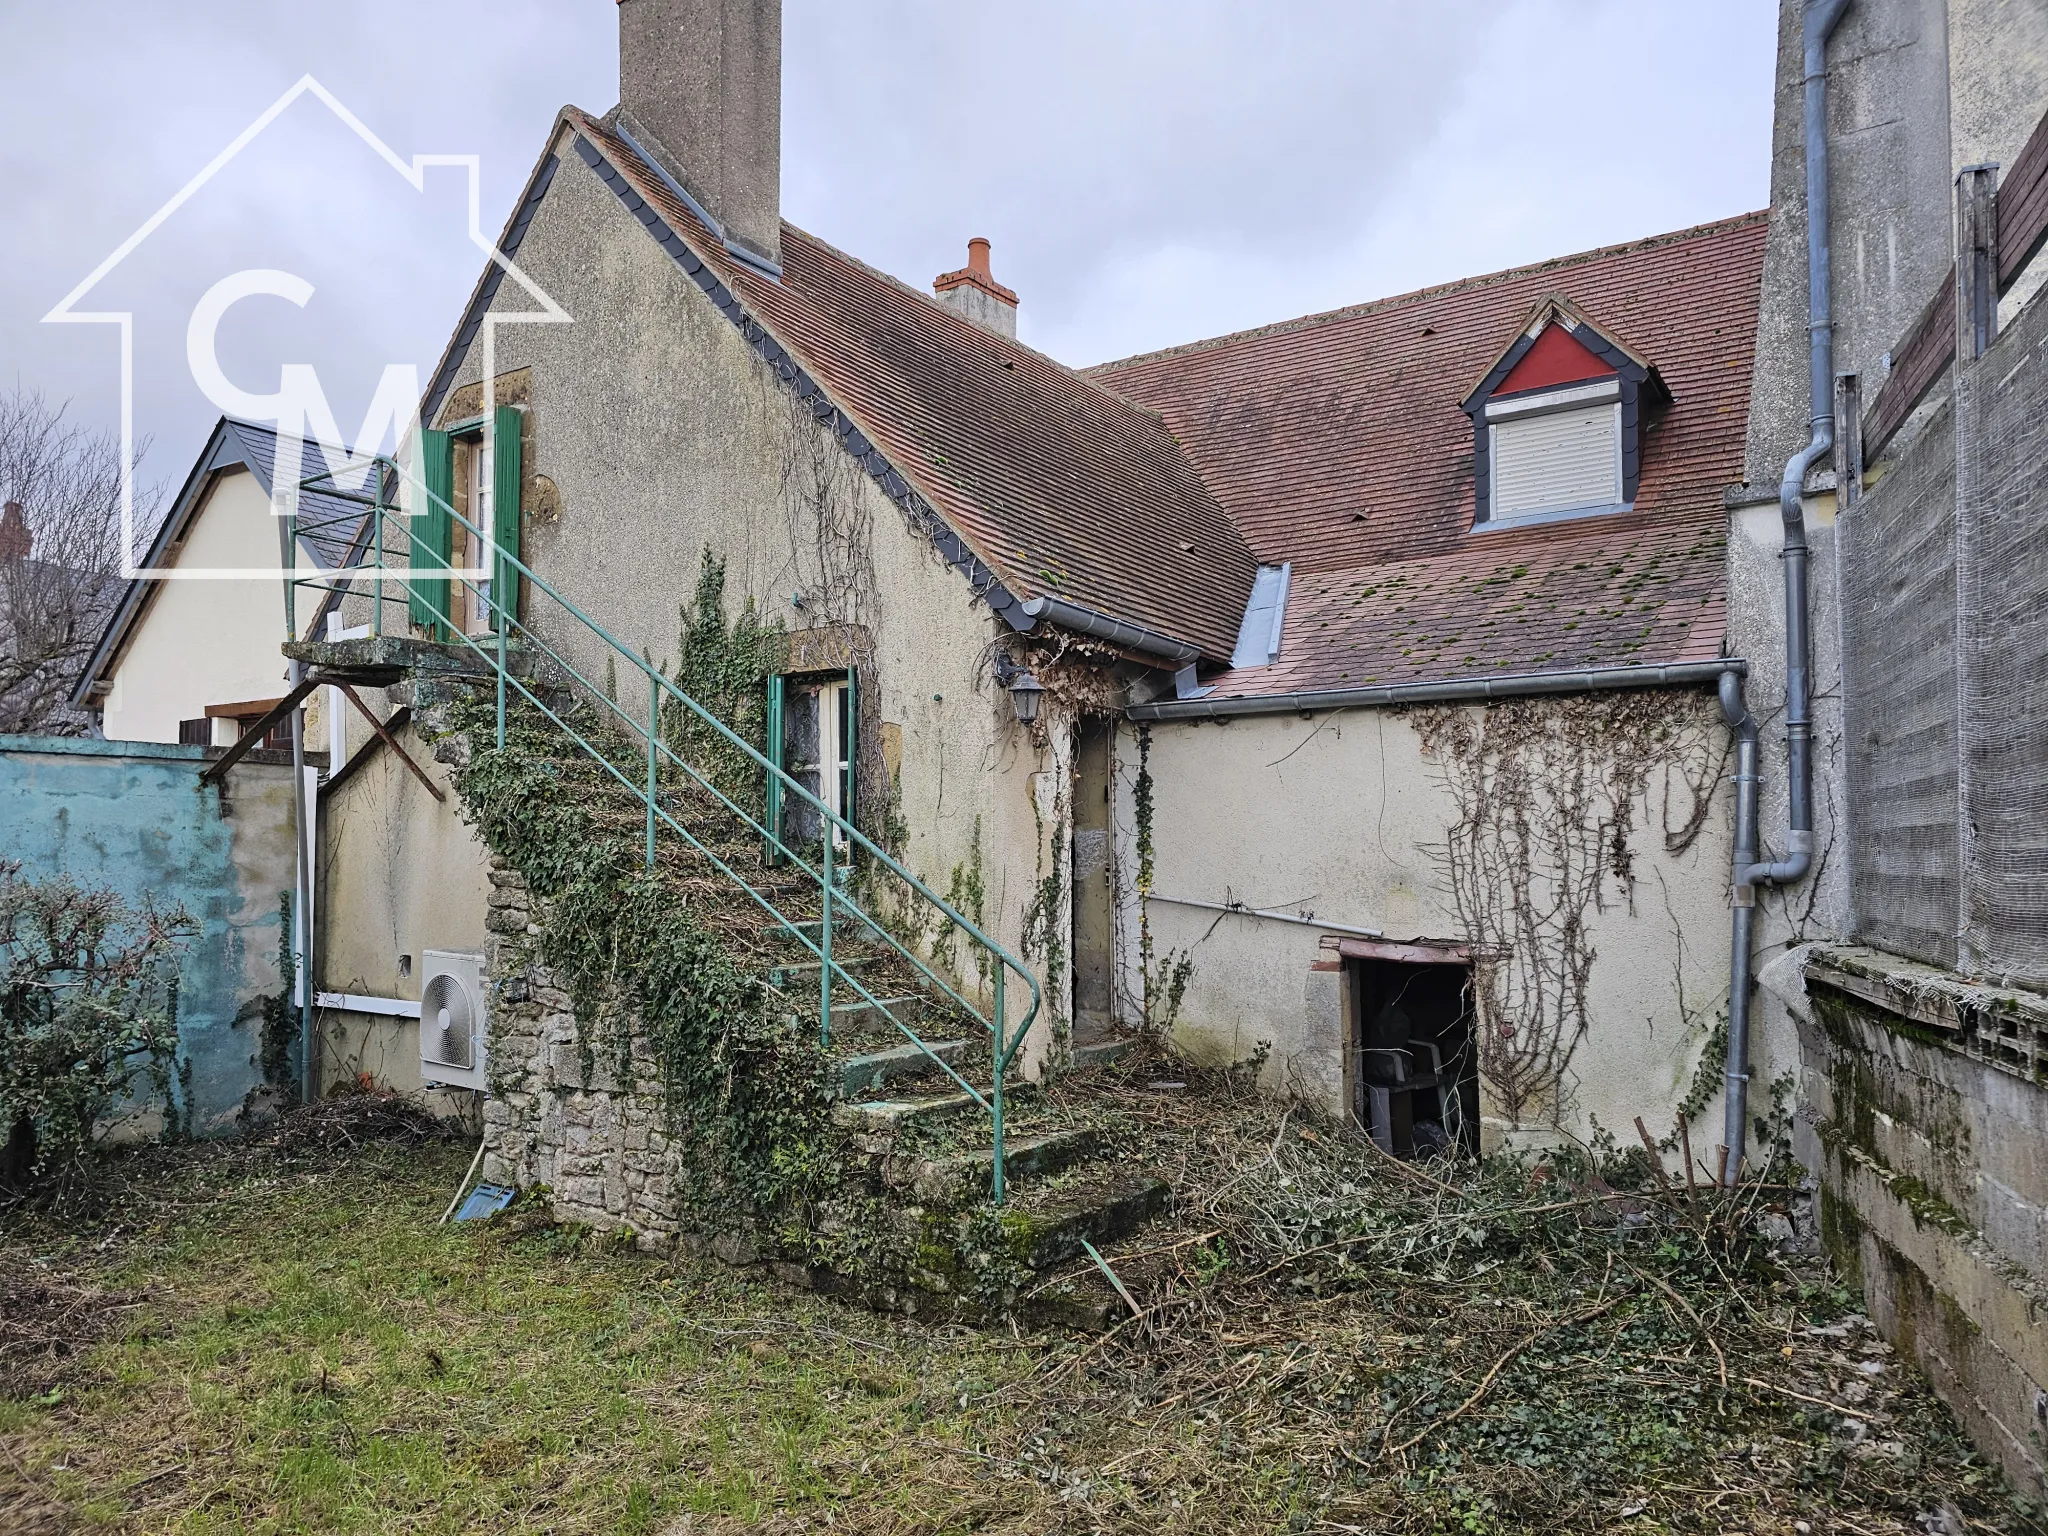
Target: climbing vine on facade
point(1164, 978)
point(1547, 793)
point(722, 664)
point(967, 894)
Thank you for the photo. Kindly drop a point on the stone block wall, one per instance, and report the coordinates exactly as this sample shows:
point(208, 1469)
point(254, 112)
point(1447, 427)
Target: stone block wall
point(560, 1117)
point(1925, 1108)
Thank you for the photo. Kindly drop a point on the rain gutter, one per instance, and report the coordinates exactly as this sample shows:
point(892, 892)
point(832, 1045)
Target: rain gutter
point(1120, 632)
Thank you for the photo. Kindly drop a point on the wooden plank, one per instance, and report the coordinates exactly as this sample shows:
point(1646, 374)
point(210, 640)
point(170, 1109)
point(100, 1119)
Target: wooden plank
point(2023, 207)
point(254, 733)
point(1918, 364)
point(240, 711)
point(1932, 1010)
point(390, 741)
point(1421, 953)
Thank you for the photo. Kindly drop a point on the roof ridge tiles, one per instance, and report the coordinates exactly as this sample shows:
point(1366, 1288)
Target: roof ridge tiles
point(1434, 290)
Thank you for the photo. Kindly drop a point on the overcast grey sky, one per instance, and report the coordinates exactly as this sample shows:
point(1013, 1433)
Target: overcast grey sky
point(1150, 171)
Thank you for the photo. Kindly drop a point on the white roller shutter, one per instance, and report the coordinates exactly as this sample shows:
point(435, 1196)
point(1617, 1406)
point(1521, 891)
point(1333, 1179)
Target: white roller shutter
point(1557, 461)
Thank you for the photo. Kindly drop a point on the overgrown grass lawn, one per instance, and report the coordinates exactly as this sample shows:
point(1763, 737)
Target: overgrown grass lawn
point(280, 1338)
point(312, 1353)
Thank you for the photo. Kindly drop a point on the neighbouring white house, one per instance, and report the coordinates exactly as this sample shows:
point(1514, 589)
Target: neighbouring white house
point(191, 658)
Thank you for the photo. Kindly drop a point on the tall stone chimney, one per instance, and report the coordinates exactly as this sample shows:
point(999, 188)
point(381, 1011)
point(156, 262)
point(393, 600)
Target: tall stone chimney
point(703, 80)
point(975, 295)
point(15, 539)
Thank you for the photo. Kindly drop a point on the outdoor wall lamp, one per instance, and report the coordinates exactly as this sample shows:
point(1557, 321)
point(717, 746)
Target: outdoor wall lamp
point(1026, 691)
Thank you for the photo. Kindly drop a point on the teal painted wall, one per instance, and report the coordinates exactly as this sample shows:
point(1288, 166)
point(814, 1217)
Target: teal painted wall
point(132, 815)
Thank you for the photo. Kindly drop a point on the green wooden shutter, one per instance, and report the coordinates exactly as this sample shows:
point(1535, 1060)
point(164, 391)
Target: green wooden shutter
point(506, 479)
point(849, 743)
point(433, 533)
point(771, 816)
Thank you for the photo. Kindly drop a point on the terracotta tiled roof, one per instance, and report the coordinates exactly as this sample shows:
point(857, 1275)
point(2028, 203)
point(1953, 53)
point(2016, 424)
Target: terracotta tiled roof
point(1630, 590)
point(1062, 487)
point(1336, 442)
point(1149, 489)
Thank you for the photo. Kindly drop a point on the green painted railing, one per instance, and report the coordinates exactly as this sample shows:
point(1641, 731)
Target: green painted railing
point(384, 530)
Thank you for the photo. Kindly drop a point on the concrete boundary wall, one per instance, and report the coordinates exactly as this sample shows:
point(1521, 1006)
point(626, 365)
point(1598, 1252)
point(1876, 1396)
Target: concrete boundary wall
point(132, 816)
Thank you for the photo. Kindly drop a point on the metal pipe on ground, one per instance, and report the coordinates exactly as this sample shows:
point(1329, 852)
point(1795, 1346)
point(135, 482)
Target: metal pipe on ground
point(1819, 22)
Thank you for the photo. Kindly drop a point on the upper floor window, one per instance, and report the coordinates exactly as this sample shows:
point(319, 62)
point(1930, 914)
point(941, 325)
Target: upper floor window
point(1559, 451)
point(1556, 422)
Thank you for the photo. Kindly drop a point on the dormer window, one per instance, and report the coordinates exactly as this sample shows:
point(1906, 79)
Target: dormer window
point(1555, 451)
point(1556, 423)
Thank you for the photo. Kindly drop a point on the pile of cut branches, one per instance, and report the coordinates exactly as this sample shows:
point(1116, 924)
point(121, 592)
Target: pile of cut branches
point(1534, 1343)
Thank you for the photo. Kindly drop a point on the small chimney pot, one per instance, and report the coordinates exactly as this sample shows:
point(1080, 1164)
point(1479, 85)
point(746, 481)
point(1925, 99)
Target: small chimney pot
point(974, 294)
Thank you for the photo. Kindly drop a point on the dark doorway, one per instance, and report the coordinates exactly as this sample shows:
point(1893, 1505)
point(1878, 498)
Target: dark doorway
point(1415, 1077)
point(1094, 903)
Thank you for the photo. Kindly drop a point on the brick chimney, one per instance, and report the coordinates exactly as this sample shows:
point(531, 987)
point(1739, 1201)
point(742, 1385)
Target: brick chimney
point(15, 539)
point(974, 294)
point(702, 80)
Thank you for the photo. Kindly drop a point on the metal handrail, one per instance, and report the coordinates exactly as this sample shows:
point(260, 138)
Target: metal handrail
point(1004, 1043)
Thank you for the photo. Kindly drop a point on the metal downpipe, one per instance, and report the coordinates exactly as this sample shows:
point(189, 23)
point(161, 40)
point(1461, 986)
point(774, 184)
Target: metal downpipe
point(1735, 1074)
point(1819, 22)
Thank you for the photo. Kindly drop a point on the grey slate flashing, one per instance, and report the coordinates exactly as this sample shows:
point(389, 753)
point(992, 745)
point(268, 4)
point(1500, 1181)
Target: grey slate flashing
point(982, 582)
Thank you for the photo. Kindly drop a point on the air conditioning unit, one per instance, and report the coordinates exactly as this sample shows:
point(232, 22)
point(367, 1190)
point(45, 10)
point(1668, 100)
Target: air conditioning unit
point(452, 1019)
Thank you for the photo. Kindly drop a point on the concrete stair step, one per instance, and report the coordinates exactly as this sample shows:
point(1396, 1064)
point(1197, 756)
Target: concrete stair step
point(968, 1176)
point(785, 973)
point(862, 1077)
point(846, 929)
point(1102, 1211)
point(879, 1122)
point(908, 1010)
point(1100, 1053)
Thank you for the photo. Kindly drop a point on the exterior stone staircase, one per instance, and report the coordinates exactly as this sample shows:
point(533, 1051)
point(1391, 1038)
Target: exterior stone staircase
point(912, 1227)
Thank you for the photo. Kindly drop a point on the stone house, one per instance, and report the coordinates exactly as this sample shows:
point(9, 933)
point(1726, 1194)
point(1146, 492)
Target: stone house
point(1337, 696)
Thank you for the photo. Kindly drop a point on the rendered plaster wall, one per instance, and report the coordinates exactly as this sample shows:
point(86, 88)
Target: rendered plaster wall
point(204, 642)
point(400, 874)
point(1345, 816)
point(665, 434)
point(1998, 90)
point(1890, 207)
point(133, 818)
point(1935, 1195)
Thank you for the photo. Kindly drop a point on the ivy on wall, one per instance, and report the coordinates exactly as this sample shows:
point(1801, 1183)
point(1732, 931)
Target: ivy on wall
point(742, 1084)
point(278, 1045)
point(724, 666)
point(1164, 978)
point(967, 894)
point(1546, 792)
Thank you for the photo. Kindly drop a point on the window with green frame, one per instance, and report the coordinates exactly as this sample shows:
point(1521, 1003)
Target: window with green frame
point(495, 457)
point(813, 736)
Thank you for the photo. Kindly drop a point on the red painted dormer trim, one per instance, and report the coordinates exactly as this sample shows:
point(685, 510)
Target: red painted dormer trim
point(1557, 357)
